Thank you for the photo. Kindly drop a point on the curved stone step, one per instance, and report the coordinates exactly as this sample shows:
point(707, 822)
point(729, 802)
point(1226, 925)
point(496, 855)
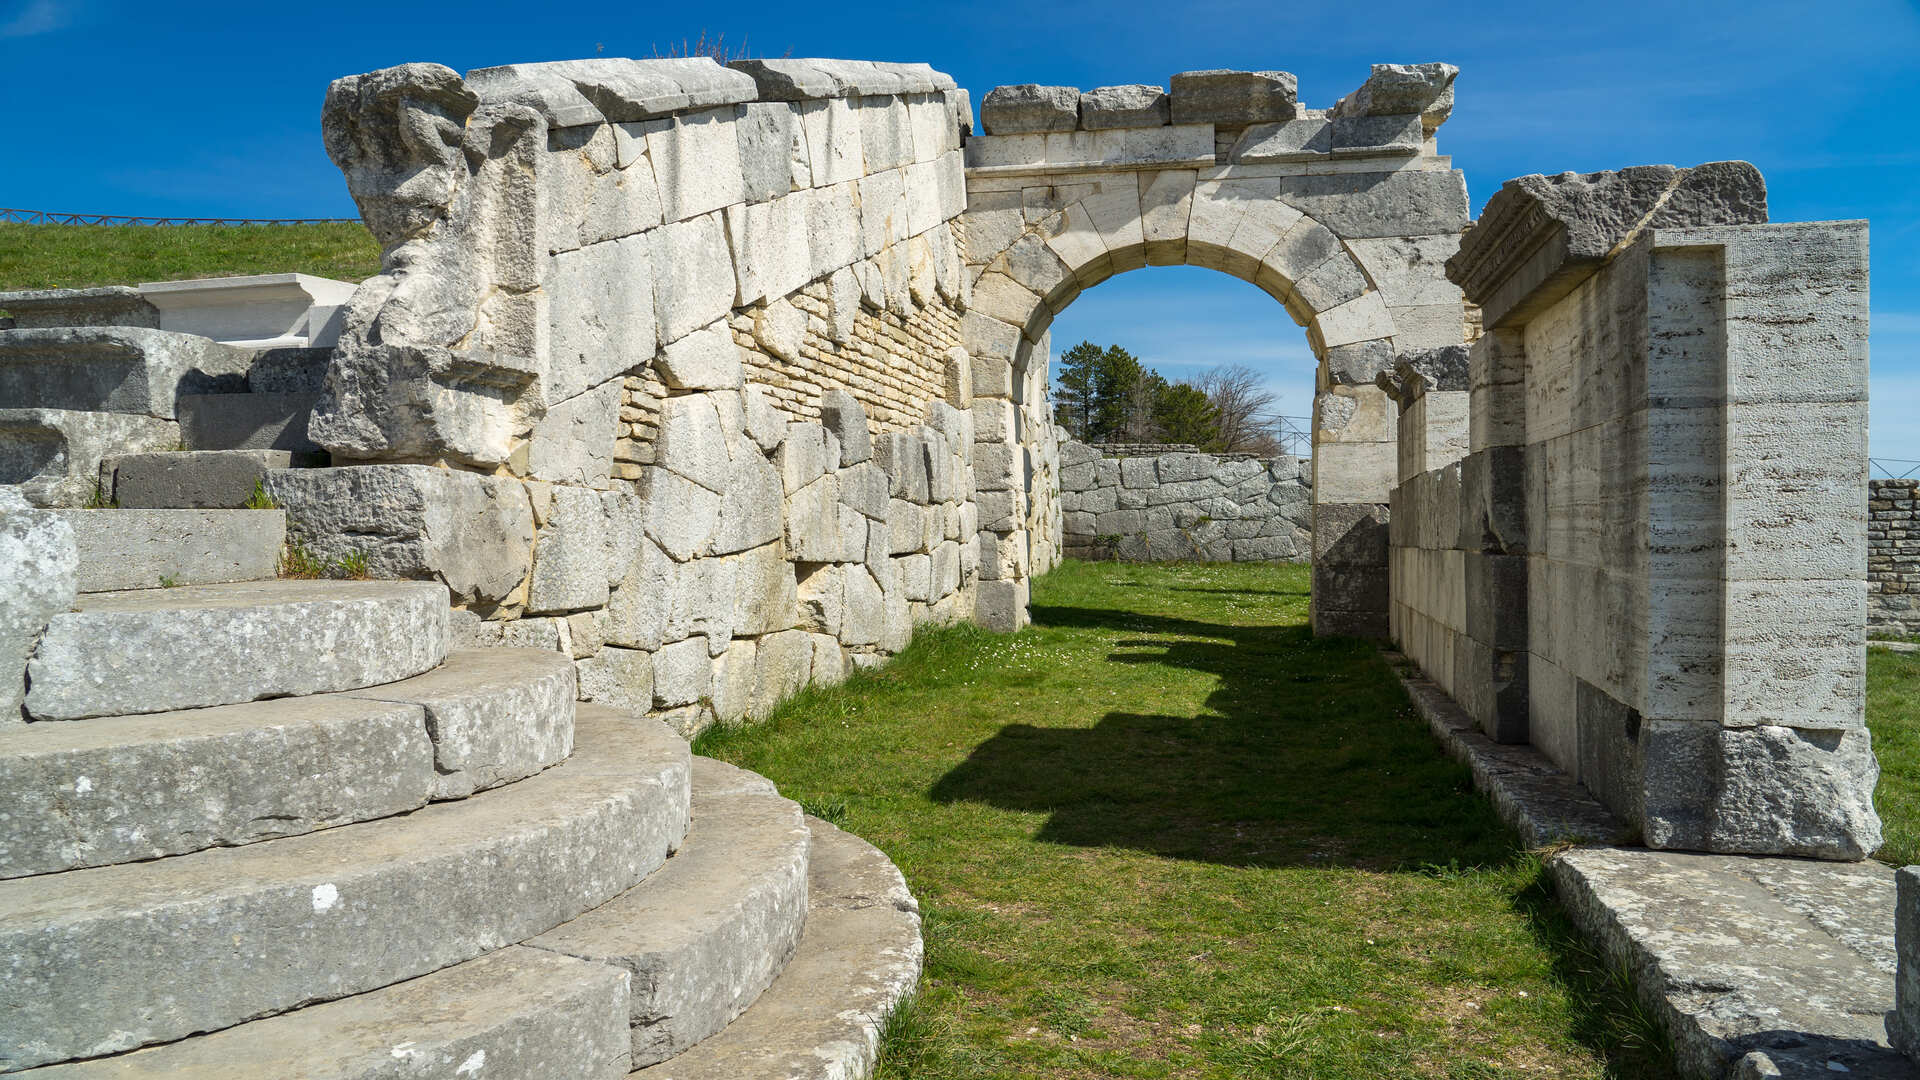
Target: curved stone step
point(156, 650)
point(709, 931)
point(494, 715)
point(99, 961)
point(857, 960)
point(125, 788)
point(514, 1013)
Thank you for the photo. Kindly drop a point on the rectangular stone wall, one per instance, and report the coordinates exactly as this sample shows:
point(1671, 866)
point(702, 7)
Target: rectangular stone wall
point(1178, 504)
point(1664, 498)
point(1893, 557)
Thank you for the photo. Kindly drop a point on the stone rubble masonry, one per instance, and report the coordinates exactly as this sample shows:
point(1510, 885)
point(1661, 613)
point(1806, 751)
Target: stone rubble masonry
point(1657, 537)
point(1893, 557)
point(1181, 504)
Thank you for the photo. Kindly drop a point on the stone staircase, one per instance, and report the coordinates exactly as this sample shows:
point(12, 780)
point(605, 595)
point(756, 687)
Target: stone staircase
point(269, 827)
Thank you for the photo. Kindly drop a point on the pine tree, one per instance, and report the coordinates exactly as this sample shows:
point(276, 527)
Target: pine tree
point(1183, 414)
point(1076, 381)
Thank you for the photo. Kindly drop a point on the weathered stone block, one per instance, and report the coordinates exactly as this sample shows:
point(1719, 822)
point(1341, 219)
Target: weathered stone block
point(38, 579)
point(1234, 98)
point(144, 549)
point(1125, 107)
point(1013, 110)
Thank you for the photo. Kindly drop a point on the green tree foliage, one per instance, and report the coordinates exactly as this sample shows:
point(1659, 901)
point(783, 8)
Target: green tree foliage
point(1105, 394)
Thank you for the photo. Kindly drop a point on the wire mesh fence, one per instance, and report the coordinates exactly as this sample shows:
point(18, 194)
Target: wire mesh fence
point(1893, 468)
point(55, 217)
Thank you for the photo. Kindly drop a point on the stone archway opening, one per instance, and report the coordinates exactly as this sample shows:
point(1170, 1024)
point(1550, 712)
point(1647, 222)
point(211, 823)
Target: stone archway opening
point(1346, 216)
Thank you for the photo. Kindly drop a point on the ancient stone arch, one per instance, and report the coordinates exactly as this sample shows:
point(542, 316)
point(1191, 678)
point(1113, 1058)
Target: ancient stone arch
point(1346, 216)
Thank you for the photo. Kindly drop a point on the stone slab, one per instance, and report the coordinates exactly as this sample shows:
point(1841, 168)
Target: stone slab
point(1029, 108)
point(857, 961)
point(252, 421)
point(125, 788)
point(190, 479)
point(54, 455)
point(38, 577)
point(120, 369)
point(494, 715)
point(148, 549)
point(707, 933)
point(153, 650)
point(1234, 98)
point(205, 941)
point(1755, 966)
point(513, 1013)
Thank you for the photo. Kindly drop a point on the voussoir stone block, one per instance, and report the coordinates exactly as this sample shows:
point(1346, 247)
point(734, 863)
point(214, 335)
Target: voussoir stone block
point(1029, 107)
point(146, 651)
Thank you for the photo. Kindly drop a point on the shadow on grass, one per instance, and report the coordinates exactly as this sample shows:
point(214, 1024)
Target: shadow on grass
point(1287, 763)
point(1307, 754)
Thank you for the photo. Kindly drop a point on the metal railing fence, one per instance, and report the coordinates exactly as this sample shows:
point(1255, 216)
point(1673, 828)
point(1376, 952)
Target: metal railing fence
point(54, 217)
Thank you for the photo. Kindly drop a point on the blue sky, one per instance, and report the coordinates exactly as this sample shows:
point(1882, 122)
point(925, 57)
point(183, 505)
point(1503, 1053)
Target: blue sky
point(212, 108)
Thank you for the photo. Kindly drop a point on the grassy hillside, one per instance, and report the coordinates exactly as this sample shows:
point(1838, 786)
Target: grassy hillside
point(77, 256)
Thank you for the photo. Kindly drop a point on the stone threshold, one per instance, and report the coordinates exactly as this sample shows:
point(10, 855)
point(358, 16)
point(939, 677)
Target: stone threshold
point(1894, 646)
point(1756, 966)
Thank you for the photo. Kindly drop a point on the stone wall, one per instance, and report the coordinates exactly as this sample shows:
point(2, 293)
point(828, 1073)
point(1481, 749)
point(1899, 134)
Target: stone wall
point(1663, 490)
point(1893, 556)
point(1173, 503)
point(662, 369)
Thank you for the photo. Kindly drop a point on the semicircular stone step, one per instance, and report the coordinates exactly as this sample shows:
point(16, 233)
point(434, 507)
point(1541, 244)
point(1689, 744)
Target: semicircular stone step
point(857, 960)
point(104, 960)
point(515, 1012)
point(126, 788)
point(710, 930)
point(156, 650)
point(713, 925)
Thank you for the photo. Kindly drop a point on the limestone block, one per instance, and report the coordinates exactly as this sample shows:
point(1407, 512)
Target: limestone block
point(1166, 203)
point(768, 133)
point(1125, 107)
point(999, 297)
point(783, 663)
point(1360, 319)
point(886, 135)
point(682, 673)
point(992, 378)
point(113, 369)
point(695, 285)
point(692, 442)
point(618, 678)
point(864, 487)
point(833, 137)
point(1181, 144)
point(1334, 282)
point(701, 602)
point(141, 549)
point(1394, 134)
point(1234, 98)
point(1397, 89)
point(768, 241)
point(864, 615)
point(706, 359)
point(946, 569)
point(833, 242)
point(883, 211)
point(696, 160)
point(931, 125)
point(573, 443)
point(1028, 107)
point(425, 402)
point(822, 595)
point(765, 424)
point(751, 505)
point(845, 419)
point(804, 457)
point(38, 579)
point(474, 533)
point(1001, 605)
point(765, 600)
point(780, 328)
point(570, 569)
point(680, 515)
point(1290, 140)
point(957, 379)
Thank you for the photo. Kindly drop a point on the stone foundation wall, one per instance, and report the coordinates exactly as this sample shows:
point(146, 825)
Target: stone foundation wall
point(662, 369)
point(1180, 504)
point(1893, 556)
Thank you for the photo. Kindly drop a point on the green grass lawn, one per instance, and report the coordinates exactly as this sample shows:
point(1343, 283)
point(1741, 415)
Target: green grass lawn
point(77, 256)
point(1165, 832)
point(1893, 712)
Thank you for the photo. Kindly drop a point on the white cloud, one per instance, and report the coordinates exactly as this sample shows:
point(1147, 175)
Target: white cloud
point(37, 17)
